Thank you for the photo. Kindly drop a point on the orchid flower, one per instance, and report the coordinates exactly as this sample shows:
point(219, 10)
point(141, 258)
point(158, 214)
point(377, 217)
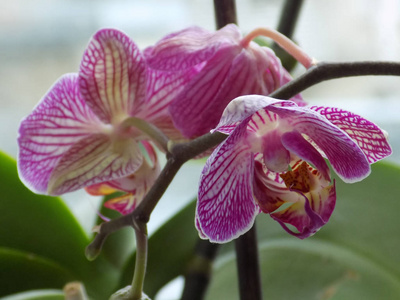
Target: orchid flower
point(134, 186)
point(263, 164)
point(88, 129)
point(228, 65)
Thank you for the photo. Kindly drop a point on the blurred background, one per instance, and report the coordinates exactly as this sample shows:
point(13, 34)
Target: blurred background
point(42, 39)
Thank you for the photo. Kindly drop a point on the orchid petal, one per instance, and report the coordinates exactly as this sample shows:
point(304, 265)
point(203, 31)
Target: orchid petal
point(124, 204)
point(268, 189)
point(368, 136)
point(225, 207)
point(276, 156)
point(100, 189)
point(61, 119)
point(245, 77)
point(198, 227)
point(276, 76)
point(93, 160)
point(310, 214)
point(244, 106)
point(189, 47)
point(191, 109)
point(162, 89)
point(311, 198)
point(345, 156)
point(112, 75)
point(140, 182)
point(294, 142)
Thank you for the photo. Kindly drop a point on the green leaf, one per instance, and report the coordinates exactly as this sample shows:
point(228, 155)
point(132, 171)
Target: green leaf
point(354, 256)
point(26, 271)
point(170, 249)
point(44, 226)
point(37, 295)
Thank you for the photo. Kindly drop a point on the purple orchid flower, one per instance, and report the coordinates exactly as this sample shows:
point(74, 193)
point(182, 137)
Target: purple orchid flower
point(134, 186)
point(228, 66)
point(85, 129)
point(262, 164)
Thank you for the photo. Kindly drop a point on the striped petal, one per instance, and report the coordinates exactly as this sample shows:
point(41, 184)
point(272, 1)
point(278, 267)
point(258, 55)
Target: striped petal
point(309, 214)
point(190, 47)
point(124, 204)
point(143, 178)
point(136, 185)
point(368, 136)
point(60, 120)
point(276, 75)
point(345, 156)
point(191, 108)
point(245, 77)
point(310, 197)
point(295, 142)
point(225, 207)
point(112, 75)
point(162, 88)
point(93, 160)
point(244, 106)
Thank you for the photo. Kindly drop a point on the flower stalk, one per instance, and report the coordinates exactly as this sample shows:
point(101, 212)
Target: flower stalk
point(141, 261)
point(282, 41)
point(248, 265)
point(225, 12)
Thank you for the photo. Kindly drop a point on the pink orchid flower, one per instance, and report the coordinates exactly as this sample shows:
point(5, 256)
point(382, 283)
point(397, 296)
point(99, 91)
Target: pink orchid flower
point(89, 127)
point(262, 164)
point(228, 65)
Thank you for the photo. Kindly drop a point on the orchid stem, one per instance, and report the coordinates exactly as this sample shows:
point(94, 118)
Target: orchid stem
point(149, 129)
point(324, 71)
point(282, 41)
point(248, 266)
point(289, 16)
point(141, 262)
point(199, 270)
point(225, 12)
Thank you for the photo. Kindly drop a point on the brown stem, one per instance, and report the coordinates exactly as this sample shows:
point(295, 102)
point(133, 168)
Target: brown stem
point(324, 71)
point(289, 16)
point(225, 12)
point(248, 266)
point(199, 270)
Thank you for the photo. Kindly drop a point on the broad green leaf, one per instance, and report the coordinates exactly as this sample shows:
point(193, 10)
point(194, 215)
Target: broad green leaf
point(37, 295)
point(310, 270)
point(354, 256)
point(170, 249)
point(44, 226)
point(26, 271)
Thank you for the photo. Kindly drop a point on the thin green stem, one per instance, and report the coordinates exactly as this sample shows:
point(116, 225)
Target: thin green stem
point(141, 262)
